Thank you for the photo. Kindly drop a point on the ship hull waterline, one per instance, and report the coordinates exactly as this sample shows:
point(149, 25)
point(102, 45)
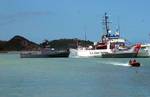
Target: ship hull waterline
point(119, 55)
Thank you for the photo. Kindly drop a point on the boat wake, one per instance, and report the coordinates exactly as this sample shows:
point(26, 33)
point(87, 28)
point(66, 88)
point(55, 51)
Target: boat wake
point(120, 64)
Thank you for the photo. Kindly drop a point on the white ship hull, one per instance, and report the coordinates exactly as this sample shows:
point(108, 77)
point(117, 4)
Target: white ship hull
point(87, 53)
point(144, 51)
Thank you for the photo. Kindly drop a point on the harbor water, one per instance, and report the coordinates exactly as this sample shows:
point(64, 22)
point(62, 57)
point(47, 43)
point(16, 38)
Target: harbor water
point(73, 77)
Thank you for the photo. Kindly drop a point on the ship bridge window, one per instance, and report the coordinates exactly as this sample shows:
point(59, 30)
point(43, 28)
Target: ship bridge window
point(112, 46)
point(101, 46)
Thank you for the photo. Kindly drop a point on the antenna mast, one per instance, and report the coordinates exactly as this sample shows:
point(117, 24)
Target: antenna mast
point(106, 23)
point(118, 27)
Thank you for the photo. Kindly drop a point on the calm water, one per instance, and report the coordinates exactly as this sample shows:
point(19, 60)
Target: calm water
point(72, 77)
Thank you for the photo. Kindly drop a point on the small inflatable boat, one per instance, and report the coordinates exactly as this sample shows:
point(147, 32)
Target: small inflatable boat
point(134, 63)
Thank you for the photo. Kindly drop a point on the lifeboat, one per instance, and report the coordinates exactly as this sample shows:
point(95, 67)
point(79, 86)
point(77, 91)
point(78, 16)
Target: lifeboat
point(134, 63)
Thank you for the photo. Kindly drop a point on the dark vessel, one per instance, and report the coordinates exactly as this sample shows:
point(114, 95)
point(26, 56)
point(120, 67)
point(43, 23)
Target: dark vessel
point(134, 63)
point(46, 54)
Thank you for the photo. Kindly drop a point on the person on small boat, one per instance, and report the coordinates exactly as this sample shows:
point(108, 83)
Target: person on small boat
point(134, 60)
point(134, 63)
point(130, 61)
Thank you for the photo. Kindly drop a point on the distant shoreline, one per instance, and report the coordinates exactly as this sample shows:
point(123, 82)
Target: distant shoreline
point(19, 43)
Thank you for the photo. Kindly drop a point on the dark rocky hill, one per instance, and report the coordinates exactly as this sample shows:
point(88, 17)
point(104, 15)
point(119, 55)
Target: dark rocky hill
point(18, 43)
point(66, 43)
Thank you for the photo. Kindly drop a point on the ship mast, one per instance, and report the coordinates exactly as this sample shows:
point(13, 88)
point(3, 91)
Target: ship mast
point(106, 27)
point(106, 23)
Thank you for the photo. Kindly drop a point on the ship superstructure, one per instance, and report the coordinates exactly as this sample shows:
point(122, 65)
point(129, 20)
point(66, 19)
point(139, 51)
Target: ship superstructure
point(110, 45)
